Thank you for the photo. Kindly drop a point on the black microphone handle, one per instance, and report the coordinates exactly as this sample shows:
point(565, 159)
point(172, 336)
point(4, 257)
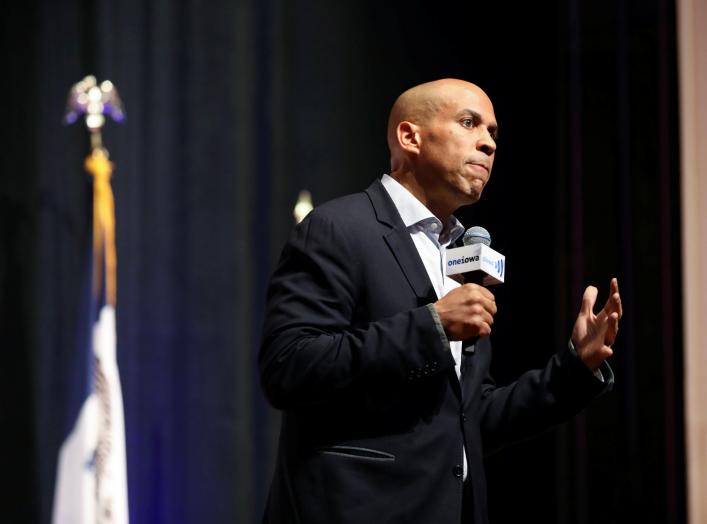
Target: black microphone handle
point(474, 277)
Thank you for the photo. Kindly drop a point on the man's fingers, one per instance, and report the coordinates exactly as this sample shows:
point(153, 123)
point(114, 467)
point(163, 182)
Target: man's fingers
point(594, 335)
point(618, 306)
point(466, 311)
point(588, 300)
point(614, 286)
point(484, 329)
point(490, 306)
point(613, 303)
point(480, 314)
point(615, 297)
point(481, 290)
point(613, 329)
point(487, 318)
point(482, 296)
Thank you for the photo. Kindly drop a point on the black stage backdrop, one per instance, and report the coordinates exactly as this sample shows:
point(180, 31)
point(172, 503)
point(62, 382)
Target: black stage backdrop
point(233, 107)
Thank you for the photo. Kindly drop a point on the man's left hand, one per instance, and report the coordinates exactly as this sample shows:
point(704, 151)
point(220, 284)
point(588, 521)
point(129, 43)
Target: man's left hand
point(593, 335)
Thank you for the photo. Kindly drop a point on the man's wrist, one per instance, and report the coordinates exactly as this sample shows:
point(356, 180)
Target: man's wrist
point(597, 372)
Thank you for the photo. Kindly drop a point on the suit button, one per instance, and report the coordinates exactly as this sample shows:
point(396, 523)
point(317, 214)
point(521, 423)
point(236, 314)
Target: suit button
point(458, 471)
point(463, 417)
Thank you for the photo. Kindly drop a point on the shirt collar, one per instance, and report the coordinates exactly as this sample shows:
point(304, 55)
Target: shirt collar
point(413, 212)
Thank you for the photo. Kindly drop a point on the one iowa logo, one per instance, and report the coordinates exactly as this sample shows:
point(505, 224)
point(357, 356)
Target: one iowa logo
point(462, 260)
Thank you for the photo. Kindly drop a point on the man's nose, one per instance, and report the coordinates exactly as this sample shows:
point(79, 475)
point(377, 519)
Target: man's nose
point(486, 143)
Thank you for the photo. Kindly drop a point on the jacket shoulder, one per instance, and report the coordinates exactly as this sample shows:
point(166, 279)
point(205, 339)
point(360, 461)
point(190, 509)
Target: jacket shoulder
point(345, 211)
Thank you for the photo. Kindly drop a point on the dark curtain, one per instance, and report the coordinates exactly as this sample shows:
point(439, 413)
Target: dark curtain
point(233, 107)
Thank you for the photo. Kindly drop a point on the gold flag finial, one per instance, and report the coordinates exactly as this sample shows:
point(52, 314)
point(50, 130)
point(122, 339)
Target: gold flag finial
point(303, 206)
point(94, 100)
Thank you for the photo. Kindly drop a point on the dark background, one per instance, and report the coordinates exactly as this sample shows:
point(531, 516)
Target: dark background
point(233, 107)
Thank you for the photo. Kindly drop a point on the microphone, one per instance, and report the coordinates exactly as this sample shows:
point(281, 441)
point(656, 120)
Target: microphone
point(476, 235)
point(476, 260)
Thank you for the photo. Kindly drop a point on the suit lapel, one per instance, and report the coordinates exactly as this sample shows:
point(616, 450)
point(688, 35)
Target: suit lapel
point(405, 252)
point(400, 243)
point(408, 258)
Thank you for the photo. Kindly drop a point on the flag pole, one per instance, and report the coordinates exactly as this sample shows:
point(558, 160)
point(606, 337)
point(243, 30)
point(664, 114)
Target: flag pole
point(91, 485)
point(94, 101)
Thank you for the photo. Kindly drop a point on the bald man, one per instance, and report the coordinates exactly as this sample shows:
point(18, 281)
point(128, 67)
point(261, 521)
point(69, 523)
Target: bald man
point(380, 363)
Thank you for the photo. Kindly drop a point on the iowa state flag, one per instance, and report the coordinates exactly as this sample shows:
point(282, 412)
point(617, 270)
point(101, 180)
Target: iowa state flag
point(91, 479)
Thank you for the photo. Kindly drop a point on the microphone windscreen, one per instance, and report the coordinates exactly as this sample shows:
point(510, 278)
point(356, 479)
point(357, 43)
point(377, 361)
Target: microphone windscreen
point(477, 235)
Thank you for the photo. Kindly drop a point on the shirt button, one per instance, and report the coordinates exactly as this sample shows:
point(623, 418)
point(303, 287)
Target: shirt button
point(458, 471)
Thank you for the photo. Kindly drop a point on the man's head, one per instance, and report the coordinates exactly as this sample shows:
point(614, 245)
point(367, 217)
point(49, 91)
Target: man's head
point(442, 139)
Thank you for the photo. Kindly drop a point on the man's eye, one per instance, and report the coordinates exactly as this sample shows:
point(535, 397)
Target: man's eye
point(468, 122)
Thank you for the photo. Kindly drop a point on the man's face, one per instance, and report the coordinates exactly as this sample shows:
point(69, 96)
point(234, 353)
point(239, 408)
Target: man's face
point(458, 147)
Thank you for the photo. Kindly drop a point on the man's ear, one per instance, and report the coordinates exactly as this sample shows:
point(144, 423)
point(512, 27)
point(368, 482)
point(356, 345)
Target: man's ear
point(409, 137)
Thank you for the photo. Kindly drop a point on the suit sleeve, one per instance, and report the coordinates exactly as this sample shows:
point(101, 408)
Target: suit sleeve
point(311, 350)
point(539, 399)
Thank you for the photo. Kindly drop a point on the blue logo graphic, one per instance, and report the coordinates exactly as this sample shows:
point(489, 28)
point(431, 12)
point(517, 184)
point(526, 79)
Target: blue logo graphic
point(499, 267)
point(463, 260)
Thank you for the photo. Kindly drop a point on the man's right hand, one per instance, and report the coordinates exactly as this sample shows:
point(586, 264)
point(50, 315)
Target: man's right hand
point(466, 312)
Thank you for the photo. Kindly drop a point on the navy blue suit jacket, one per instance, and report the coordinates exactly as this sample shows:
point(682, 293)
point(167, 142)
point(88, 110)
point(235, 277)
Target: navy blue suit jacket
point(374, 417)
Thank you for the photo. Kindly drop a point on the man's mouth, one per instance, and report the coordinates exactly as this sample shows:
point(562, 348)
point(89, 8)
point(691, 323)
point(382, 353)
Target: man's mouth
point(482, 165)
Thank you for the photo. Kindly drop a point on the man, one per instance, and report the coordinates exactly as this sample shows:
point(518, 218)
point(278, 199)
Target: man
point(380, 362)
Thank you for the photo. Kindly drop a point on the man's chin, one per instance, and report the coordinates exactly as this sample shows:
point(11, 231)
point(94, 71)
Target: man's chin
point(466, 196)
point(474, 190)
point(472, 197)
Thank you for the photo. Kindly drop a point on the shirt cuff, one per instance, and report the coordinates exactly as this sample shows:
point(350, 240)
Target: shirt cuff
point(438, 325)
point(597, 372)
